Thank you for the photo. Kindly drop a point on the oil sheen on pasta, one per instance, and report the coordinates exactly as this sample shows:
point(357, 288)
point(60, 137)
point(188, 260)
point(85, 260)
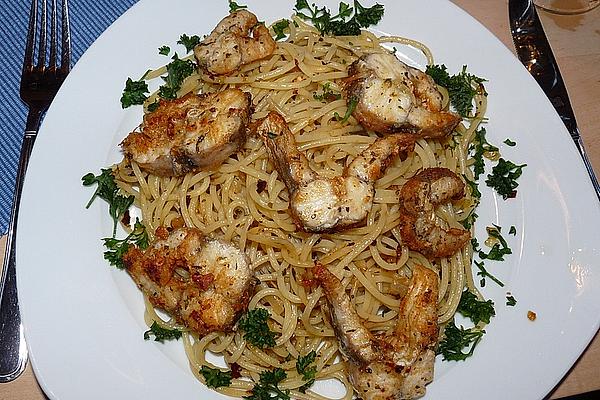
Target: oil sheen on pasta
point(243, 201)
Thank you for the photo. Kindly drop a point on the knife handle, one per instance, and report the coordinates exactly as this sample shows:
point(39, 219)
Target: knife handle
point(535, 53)
point(587, 163)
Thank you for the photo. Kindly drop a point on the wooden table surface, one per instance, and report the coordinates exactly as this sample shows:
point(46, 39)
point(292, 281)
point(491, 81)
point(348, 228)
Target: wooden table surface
point(576, 44)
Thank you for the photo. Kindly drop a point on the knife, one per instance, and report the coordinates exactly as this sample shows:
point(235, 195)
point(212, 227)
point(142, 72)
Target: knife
point(536, 55)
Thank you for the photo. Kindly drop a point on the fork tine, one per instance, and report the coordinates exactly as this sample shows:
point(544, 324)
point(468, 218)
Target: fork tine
point(31, 34)
point(53, 42)
point(66, 38)
point(42, 49)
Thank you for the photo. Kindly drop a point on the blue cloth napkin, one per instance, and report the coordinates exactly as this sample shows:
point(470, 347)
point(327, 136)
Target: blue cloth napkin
point(89, 18)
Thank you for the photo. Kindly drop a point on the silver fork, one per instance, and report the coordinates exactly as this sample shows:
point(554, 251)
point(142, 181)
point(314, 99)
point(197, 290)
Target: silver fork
point(39, 84)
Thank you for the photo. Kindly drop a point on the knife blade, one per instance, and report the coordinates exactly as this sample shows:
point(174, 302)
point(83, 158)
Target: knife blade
point(534, 51)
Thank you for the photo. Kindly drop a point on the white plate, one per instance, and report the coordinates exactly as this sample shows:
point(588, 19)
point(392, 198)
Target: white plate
point(83, 319)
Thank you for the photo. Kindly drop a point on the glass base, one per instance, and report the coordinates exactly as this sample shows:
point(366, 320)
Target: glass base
point(567, 6)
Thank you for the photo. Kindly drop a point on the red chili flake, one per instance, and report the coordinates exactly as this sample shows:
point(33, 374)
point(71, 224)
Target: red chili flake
point(126, 219)
point(308, 281)
point(390, 259)
point(236, 370)
point(177, 223)
point(203, 280)
point(261, 185)
point(161, 232)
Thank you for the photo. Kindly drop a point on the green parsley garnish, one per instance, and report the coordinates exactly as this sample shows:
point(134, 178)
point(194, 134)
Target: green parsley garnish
point(510, 300)
point(462, 87)
point(215, 378)
point(348, 20)
point(477, 310)
point(483, 273)
point(456, 339)
point(268, 386)
point(351, 107)
point(118, 247)
point(481, 148)
point(503, 178)
point(474, 188)
point(189, 41)
point(255, 327)
point(279, 27)
point(512, 231)
point(499, 249)
point(510, 143)
point(134, 93)
point(308, 372)
point(164, 50)
point(161, 334)
point(327, 94)
point(177, 71)
point(152, 107)
point(468, 222)
point(108, 191)
point(233, 6)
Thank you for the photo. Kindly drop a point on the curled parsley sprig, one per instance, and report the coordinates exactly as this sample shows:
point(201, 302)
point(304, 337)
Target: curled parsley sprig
point(348, 21)
point(504, 177)
point(108, 191)
point(177, 71)
point(189, 42)
point(134, 93)
point(215, 378)
point(474, 309)
point(233, 6)
point(462, 87)
point(161, 334)
point(279, 28)
point(304, 368)
point(116, 248)
point(457, 339)
point(268, 386)
point(255, 327)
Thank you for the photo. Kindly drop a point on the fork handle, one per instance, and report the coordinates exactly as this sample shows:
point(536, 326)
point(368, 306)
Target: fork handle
point(13, 350)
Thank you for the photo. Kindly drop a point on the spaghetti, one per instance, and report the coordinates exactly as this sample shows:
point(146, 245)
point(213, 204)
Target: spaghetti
point(244, 201)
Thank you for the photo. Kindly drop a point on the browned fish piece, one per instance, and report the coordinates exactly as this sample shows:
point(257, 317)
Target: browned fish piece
point(396, 366)
point(393, 97)
point(320, 204)
point(419, 228)
point(204, 283)
point(237, 40)
point(190, 133)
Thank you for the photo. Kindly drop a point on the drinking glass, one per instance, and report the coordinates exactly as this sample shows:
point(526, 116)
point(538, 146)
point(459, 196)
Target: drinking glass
point(567, 6)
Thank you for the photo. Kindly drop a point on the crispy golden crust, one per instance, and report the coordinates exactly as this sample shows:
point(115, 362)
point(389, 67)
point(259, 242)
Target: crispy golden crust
point(237, 40)
point(205, 284)
point(397, 366)
point(190, 133)
point(418, 198)
point(320, 204)
point(356, 342)
point(393, 97)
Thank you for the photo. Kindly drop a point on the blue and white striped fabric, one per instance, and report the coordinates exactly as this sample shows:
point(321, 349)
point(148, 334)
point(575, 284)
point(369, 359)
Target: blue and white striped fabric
point(89, 18)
